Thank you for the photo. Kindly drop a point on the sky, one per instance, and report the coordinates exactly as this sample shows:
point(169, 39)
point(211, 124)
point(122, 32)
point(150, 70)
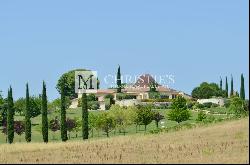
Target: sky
point(193, 40)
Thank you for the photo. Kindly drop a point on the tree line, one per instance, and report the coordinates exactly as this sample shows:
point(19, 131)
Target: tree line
point(10, 126)
point(117, 118)
point(207, 90)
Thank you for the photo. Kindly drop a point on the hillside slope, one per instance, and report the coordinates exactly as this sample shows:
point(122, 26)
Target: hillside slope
point(226, 142)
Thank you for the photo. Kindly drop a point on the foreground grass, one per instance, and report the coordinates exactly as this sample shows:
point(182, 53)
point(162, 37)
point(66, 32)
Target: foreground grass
point(225, 142)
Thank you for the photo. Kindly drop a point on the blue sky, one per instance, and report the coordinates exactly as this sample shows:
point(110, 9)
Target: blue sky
point(193, 40)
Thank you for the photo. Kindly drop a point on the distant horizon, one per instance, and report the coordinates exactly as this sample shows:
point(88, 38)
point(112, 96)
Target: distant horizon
point(195, 41)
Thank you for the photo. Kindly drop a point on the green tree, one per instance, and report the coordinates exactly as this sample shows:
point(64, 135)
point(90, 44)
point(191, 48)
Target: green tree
point(10, 117)
point(179, 111)
point(201, 116)
point(27, 116)
point(19, 106)
point(106, 123)
point(226, 88)
point(44, 114)
point(35, 106)
point(68, 80)
point(242, 87)
point(54, 125)
point(98, 83)
point(63, 114)
point(157, 117)
point(119, 81)
point(208, 90)
point(238, 107)
point(121, 117)
point(85, 126)
point(145, 115)
point(55, 105)
point(232, 87)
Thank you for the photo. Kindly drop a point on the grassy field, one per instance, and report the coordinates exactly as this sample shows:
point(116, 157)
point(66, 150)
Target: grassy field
point(224, 142)
point(71, 113)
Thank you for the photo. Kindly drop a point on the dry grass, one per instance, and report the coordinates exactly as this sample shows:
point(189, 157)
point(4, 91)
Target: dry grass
point(221, 143)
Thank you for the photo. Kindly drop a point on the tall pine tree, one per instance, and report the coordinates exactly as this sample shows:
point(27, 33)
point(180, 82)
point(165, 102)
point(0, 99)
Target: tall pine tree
point(232, 87)
point(119, 81)
point(63, 113)
point(242, 87)
point(10, 117)
point(85, 125)
point(226, 88)
point(44, 114)
point(27, 116)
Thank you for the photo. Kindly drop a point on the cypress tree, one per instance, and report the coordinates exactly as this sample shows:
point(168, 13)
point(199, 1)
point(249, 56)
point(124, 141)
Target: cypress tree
point(232, 87)
point(44, 114)
point(10, 117)
point(98, 84)
point(27, 116)
point(85, 125)
point(226, 88)
point(63, 114)
point(242, 87)
point(119, 82)
point(220, 83)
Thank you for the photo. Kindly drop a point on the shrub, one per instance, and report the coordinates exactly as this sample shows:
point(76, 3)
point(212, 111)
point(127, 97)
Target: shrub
point(108, 96)
point(190, 104)
point(156, 131)
point(94, 105)
point(70, 125)
point(214, 105)
point(238, 107)
point(154, 95)
point(92, 97)
point(209, 119)
point(201, 116)
point(157, 117)
point(227, 103)
point(157, 100)
point(207, 105)
point(122, 96)
point(199, 106)
point(54, 125)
